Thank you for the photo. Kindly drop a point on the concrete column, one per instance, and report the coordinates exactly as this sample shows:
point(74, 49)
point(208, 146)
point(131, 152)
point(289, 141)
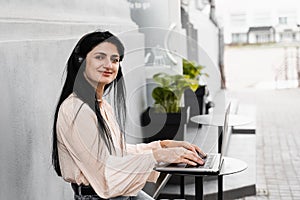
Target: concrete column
point(208, 46)
point(160, 21)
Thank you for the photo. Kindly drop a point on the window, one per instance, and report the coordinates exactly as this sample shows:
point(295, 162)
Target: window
point(239, 38)
point(263, 37)
point(282, 20)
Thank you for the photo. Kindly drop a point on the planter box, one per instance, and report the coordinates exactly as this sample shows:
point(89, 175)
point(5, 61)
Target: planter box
point(195, 100)
point(162, 126)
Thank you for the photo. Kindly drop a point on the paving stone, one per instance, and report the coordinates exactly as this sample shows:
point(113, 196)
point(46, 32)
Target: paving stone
point(278, 141)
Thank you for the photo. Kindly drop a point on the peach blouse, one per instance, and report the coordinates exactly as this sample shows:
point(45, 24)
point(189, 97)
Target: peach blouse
point(84, 158)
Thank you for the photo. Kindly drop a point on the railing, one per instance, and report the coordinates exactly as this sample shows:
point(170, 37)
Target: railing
point(287, 74)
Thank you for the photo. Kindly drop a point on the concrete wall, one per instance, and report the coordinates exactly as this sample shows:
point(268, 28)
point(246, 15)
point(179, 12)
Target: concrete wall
point(208, 46)
point(36, 39)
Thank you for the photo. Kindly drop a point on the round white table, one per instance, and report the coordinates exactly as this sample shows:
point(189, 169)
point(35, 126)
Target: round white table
point(218, 120)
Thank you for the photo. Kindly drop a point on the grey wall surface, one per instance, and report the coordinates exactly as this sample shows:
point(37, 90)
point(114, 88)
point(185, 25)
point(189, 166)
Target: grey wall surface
point(208, 47)
point(36, 39)
point(29, 85)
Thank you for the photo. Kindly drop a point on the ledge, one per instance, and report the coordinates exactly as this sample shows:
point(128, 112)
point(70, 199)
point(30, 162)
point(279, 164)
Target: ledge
point(249, 111)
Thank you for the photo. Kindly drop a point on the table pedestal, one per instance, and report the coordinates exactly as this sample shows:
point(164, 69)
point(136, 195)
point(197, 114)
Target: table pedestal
point(199, 187)
point(229, 166)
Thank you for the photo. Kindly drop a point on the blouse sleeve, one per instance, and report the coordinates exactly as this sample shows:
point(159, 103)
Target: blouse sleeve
point(142, 147)
point(109, 175)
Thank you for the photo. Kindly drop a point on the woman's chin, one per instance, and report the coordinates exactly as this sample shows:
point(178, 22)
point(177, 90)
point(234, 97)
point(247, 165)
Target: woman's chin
point(105, 81)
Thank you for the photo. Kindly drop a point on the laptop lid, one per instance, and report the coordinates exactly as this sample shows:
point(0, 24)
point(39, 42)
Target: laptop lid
point(225, 130)
point(180, 168)
point(225, 134)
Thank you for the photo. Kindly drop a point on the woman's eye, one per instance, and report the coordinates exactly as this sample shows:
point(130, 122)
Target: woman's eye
point(99, 57)
point(115, 60)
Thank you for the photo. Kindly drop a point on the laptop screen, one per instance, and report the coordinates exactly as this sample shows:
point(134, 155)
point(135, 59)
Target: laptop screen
point(225, 130)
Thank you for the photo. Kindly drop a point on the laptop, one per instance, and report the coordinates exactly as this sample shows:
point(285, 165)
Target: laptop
point(213, 161)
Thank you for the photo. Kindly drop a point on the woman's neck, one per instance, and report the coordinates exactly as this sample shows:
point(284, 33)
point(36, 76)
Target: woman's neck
point(99, 92)
point(98, 87)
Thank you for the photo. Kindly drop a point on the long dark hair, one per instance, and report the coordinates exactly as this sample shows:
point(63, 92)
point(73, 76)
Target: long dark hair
point(76, 82)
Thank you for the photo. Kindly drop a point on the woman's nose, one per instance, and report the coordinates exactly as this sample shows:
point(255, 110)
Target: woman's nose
point(108, 64)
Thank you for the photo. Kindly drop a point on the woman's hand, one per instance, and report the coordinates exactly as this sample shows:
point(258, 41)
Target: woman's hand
point(184, 144)
point(177, 155)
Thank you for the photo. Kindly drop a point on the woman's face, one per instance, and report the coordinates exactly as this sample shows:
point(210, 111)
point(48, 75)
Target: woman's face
point(102, 64)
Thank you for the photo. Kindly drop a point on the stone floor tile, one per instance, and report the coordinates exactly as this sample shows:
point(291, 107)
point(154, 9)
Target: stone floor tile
point(278, 141)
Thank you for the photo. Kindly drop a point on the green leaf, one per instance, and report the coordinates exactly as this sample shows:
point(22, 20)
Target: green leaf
point(162, 78)
point(191, 69)
point(168, 94)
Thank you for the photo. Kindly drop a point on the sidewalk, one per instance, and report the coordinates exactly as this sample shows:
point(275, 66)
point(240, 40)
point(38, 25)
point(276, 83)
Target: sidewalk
point(277, 140)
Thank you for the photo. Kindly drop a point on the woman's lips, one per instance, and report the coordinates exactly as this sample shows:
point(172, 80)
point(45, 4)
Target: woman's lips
point(106, 73)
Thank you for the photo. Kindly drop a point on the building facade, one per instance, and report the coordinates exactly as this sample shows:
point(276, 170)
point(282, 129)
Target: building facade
point(249, 22)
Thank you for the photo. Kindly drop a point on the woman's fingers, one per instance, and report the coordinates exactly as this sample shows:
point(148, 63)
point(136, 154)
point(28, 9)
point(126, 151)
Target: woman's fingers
point(184, 144)
point(189, 162)
point(203, 155)
point(191, 157)
point(194, 148)
point(177, 155)
point(195, 157)
point(189, 146)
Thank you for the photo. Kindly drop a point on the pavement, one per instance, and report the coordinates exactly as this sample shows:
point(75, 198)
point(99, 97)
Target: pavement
point(277, 141)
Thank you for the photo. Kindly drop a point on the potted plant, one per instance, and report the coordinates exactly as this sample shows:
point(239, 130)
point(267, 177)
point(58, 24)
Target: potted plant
point(194, 98)
point(167, 118)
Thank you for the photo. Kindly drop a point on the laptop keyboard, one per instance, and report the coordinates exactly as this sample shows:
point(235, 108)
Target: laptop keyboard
point(209, 162)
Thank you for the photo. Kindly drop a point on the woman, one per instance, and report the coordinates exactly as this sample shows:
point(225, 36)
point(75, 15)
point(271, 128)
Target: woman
point(89, 148)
